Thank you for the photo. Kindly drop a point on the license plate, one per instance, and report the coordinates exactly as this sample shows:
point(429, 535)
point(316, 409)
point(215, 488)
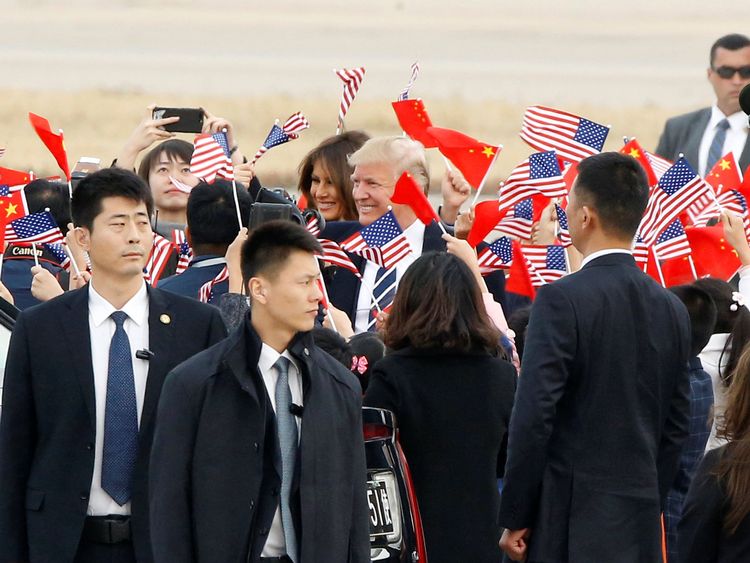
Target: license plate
point(381, 518)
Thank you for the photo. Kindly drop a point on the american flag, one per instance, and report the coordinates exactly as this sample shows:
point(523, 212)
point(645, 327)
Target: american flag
point(313, 226)
point(414, 73)
point(497, 255)
point(573, 137)
point(334, 254)
point(562, 220)
point(548, 263)
point(157, 259)
point(707, 208)
point(672, 243)
point(184, 188)
point(382, 242)
point(184, 252)
point(678, 189)
point(206, 292)
point(6, 190)
point(279, 135)
point(658, 164)
point(211, 157)
point(36, 227)
point(57, 250)
point(540, 173)
point(517, 223)
point(640, 251)
point(352, 79)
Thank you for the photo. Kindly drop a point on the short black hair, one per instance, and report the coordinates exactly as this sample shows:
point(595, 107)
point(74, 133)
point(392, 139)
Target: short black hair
point(211, 213)
point(109, 182)
point(268, 247)
point(615, 185)
point(43, 194)
point(702, 312)
point(174, 149)
point(731, 42)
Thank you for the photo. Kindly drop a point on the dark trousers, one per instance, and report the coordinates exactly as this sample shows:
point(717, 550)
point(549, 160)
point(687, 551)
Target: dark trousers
point(90, 552)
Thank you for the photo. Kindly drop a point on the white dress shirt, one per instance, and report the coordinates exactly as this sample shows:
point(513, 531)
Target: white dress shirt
point(276, 544)
point(414, 234)
point(102, 328)
point(734, 141)
point(604, 252)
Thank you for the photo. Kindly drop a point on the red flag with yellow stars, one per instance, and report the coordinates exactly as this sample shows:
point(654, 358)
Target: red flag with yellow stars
point(12, 206)
point(473, 158)
point(10, 177)
point(53, 141)
point(712, 254)
point(634, 149)
point(725, 175)
point(676, 271)
point(413, 119)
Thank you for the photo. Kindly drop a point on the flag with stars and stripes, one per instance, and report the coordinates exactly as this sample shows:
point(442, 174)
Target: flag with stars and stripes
point(211, 157)
point(496, 256)
point(677, 190)
point(658, 164)
point(540, 173)
point(573, 137)
point(352, 79)
point(404, 95)
point(313, 225)
point(382, 242)
point(672, 243)
point(564, 232)
point(36, 227)
point(281, 134)
point(206, 292)
point(640, 251)
point(57, 249)
point(161, 250)
point(334, 254)
point(548, 263)
point(518, 221)
point(184, 252)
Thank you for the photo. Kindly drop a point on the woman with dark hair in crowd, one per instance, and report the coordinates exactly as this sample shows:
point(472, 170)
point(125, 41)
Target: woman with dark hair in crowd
point(325, 176)
point(452, 396)
point(715, 524)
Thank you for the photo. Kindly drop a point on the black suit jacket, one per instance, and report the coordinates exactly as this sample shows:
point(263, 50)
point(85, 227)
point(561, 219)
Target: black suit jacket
point(343, 289)
point(683, 134)
point(452, 411)
point(216, 466)
point(47, 429)
point(600, 416)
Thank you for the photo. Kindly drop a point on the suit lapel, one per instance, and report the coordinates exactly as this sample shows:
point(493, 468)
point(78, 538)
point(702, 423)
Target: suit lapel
point(75, 327)
point(160, 342)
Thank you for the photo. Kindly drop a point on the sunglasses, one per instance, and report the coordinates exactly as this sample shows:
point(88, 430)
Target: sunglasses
point(727, 72)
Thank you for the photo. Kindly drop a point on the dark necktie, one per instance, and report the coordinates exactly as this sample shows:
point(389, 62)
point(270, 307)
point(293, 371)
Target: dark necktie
point(383, 292)
point(287, 430)
point(717, 145)
point(120, 417)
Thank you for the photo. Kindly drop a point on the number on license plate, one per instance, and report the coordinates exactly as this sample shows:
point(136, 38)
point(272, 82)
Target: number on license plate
point(381, 520)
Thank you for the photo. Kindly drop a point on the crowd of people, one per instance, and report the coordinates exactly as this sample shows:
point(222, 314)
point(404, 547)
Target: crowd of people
point(185, 381)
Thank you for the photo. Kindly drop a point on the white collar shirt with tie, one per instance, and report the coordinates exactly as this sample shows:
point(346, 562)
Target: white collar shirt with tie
point(734, 141)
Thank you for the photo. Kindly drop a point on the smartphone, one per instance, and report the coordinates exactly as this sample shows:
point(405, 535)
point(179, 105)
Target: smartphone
point(191, 119)
point(264, 212)
point(86, 165)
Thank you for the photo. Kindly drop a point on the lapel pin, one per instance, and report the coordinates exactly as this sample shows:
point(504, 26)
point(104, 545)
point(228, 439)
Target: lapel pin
point(165, 319)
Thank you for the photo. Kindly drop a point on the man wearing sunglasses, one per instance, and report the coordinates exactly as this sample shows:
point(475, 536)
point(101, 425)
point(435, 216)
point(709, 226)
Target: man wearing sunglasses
point(706, 135)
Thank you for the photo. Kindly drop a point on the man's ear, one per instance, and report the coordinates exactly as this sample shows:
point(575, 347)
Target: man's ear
point(587, 216)
point(257, 290)
point(83, 237)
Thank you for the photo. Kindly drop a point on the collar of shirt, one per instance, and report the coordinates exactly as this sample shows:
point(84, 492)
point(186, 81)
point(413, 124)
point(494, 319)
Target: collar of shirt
point(268, 357)
point(207, 260)
point(604, 252)
point(136, 308)
point(414, 233)
point(737, 121)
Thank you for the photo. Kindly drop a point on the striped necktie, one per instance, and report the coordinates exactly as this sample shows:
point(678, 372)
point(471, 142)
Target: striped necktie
point(384, 291)
point(715, 151)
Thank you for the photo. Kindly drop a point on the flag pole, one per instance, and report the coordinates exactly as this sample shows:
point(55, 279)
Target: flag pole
point(72, 260)
point(658, 267)
point(234, 193)
point(530, 267)
point(36, 258)
point(2, 258)
point(486, 174)
point(692, 267)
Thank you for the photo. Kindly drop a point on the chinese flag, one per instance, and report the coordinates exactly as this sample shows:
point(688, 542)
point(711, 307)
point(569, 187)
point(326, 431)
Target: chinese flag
point(570, 174)
point(519, 278)
point(712, 254)
point(486, 215)
point(10, 177)
point(12, 207)
point(634, 149)
point(677, 271)
point(744, 188)
point(473, 158)
point(53, 141)
point(413, 119)
point(725, 175)
point(302, 202)
point(408, 192)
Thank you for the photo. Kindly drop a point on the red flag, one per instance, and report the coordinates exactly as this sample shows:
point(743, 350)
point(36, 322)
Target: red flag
point(519, 278)
point(12, 206)
point(53, 141)
point(10, 177)
point(473, 158)
point(744, 188)
point(570, 174)
point(725, 175)
point(486, 215)
point(634, 149)
point(302, 202)
point(408, 192)
point(677, 271)
point(712, 254)
point(413, 119)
